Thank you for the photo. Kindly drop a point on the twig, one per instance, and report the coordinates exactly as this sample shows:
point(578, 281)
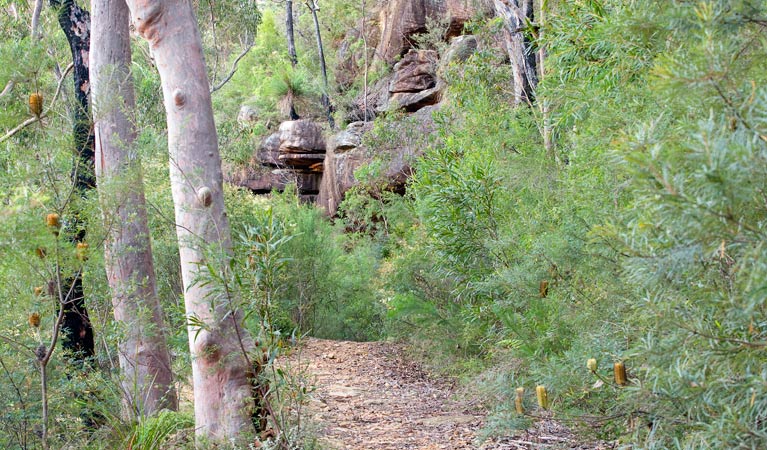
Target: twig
point(43, 115)
point(8, 88)
point(233, 70)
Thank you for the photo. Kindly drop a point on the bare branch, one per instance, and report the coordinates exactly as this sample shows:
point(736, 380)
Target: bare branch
point(8, 88)
point(233, 70)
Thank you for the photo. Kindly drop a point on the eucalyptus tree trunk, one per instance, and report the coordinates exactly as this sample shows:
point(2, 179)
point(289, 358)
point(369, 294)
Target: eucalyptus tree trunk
point(75, 22)
point(143, 351)
point(220, 348)
point(516, 15)
point(291, 49)
point(312, 5)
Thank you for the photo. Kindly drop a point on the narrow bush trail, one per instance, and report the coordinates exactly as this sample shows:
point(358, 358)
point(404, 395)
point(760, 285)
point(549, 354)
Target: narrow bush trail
point(368, 397)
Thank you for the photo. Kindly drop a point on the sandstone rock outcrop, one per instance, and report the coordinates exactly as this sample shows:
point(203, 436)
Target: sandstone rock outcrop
point(400, 20)
point(347, 153)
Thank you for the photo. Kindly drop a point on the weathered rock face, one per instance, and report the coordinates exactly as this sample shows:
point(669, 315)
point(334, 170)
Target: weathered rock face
point(295, 154)
point(417, 71)
point(346, 153)
point(400, 20)
point(301, 136)
point(412, 85)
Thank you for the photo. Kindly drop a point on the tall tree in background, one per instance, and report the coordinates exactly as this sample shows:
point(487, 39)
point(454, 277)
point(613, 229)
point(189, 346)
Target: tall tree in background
point(75, 22)
point(517, 16)
point(220, 348)
point(312, 5)
point(144, 357)
point(291, 48)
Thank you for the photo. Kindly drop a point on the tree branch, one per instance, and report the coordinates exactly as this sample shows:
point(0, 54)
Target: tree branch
point(233, 70)
point(43, 115)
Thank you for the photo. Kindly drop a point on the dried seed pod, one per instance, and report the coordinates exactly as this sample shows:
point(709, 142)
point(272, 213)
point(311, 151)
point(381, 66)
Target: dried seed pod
point(543, 397)
point(620, 374)
point(38, 291)
point(591, 364)
point(519, 399)
point(36, 103)
point(543, 289)
point(34, 320)
point(81, 251)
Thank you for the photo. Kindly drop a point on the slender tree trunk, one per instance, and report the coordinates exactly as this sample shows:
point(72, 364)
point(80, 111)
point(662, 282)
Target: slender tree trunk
point(75, 22)
point(221, 367)
point(365, 75)
point(548, 138)
point(291, 49)
point(289, 32)
point(36, 19)
point(516, 15)
point(144, 357)
point(312, 5)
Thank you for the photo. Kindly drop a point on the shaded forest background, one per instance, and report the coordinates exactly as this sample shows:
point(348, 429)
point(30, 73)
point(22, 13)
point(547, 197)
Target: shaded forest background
point(637, 236)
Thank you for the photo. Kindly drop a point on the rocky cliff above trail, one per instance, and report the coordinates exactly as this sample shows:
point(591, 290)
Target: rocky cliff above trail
point(322, 163)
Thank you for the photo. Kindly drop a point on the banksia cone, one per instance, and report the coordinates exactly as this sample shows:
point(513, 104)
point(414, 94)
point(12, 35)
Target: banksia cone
point(591, 364)
point(518, 401)
point(543, 397)
point(54, 223)
point(620, 374)
point(34, 320)
point(38, 291)
point(36, 103)
point(81, 252)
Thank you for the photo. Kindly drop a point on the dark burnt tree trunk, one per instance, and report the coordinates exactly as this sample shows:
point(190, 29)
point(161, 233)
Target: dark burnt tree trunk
point(291, 48)
point(77, 331)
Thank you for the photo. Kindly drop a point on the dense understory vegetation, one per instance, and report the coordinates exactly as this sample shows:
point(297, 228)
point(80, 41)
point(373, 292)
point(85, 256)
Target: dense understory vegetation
point(640, 239)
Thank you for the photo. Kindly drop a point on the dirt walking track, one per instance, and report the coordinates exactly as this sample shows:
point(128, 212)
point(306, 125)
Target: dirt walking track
point(368, 396)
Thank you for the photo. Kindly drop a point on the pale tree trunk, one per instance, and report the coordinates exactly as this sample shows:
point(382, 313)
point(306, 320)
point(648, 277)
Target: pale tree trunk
point(143, 351)
point(544, 103)
point(221, 369)
point(516, 14)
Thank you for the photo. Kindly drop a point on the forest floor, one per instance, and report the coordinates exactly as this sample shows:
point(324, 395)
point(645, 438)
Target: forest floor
point(370, 396)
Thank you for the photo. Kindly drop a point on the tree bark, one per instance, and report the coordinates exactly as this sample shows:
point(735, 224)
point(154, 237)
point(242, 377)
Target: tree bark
point(312, 5)
point(291, 49)
point(517, 15)
point(289, 32)
point(144, 357)
point(221, 367)
point(75, 22)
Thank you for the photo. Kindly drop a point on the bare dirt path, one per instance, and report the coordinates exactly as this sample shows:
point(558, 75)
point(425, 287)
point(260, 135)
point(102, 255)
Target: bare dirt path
point(369, 397)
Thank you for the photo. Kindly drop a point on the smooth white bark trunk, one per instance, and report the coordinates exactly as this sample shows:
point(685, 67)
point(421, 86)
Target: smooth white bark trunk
point(222, 372)
point(143, 352)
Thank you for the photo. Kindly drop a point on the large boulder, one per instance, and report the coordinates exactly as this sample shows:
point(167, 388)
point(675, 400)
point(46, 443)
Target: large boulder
point(301, 136)
point(269, 151)
point(460, 49)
